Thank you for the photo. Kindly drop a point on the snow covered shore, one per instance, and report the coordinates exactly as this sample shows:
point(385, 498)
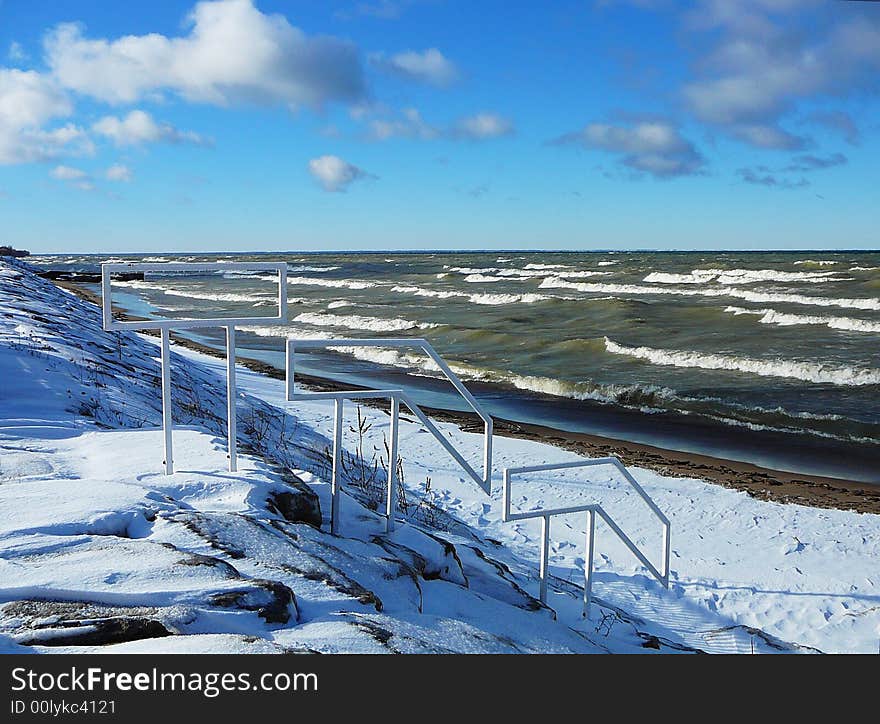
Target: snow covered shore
point(101, 552)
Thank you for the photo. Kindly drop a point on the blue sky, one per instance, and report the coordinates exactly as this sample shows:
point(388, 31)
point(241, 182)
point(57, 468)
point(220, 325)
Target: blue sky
point(394, 124)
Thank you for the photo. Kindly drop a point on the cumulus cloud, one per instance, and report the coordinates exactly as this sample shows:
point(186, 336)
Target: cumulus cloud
point(429, 66)
point(232, 54)
point(335, 174)
point(28, 102)
point(768, 56)
point(67, 173)
point(17, 53)
point(410, 124)
point(119, 172)
point(482, 126)
point(655, 147)
point(138, 127)
point(75, 177)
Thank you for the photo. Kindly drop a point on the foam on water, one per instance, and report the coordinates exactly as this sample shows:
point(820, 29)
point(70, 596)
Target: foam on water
point(741, 276)
point(871, 303)
point(798, 370)
point(356, 321)
point(335, 283)
point(486, 299)
point(772, 316)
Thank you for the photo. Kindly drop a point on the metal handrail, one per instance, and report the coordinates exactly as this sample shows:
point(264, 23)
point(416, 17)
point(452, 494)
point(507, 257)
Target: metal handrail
point(591, 510)
point(484, 481)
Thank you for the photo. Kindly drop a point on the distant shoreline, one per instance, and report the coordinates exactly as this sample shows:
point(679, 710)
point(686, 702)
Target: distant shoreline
point(759, 482)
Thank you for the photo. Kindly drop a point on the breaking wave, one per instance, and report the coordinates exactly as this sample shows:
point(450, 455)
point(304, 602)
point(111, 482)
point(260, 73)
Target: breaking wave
point(336, 283)
point(507, 274)
point(772, 316)
point(305, 268)
point(255, 299)
point(752, 296)
point(356, 321)
point(487, 299)
point(741, 276)
point(805, 371)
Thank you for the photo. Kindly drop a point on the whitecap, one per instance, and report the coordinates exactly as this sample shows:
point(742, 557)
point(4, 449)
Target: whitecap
point(814, 372)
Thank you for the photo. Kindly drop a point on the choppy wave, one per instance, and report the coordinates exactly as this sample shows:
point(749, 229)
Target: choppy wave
point(772, 316)
point(798, 370)
point(486, 299)
point(741, 276)
point(496, 273)
point(336, 283)
point(815, 262)
point(758, 297)
point(482, 279)
point(356, 321)
point(306, 268)
point(255, 299)
point(284, 331)
point(339, 303)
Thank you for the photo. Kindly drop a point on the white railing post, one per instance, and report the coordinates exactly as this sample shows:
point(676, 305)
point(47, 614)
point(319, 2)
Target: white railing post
point(545, 557)
point(335, 482)
point(588, 562)
point(166, 401)
point(289, 377)
point(487, 454)
point(666, 546)
point(230, 399)
point(391, 500)
point(106, 299)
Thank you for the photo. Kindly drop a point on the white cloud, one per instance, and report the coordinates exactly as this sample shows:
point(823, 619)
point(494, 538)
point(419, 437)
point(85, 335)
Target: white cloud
point(17, 53)
point(429, 66)
point(655, 147)
point(138, 127)
point(28, 102)
point(29, 99)
point(482, 126)
point(119, 172)
point(232, 54)
point(334, 173)
point(770, 56)
point(410, 124)
point(67, 173)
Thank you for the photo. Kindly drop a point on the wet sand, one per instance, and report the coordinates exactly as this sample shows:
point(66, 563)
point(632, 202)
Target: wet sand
point(759, 482)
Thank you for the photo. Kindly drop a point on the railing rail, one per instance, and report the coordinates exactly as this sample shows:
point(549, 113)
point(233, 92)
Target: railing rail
point(484, 480)
point(591, 509)
point(396, 397)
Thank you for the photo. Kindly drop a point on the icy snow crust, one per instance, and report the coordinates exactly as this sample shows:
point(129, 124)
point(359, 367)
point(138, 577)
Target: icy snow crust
point(101, 552)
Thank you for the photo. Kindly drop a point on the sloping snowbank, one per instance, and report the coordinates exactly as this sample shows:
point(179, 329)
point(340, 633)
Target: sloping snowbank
point(98, 549)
